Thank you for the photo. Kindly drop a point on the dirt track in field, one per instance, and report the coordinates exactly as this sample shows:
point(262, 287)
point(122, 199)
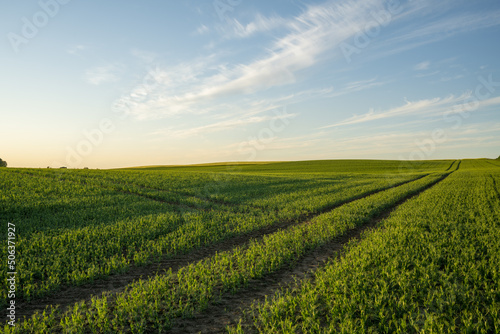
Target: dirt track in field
point(67, 296)
point(229, 309)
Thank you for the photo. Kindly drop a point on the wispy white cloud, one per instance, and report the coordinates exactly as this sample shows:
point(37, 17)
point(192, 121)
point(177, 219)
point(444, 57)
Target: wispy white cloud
point(423, 75)
point(318, 29)
point(205, 85)
point(235, 29)
point(422, 66)
point(144, 56)
point(443, 28)
point(356, 86)
point(75, 49)
point(399, 143)
point(275, 146)
point(422, 32)
point(490, 102)
point(328, 92)
point(428, 107)
point(202, 30)
point(451, 78)
point(103, 74)
point(219, 126)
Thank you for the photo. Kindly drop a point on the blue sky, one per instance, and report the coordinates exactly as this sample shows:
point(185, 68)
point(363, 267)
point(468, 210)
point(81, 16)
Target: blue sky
point(126, 83)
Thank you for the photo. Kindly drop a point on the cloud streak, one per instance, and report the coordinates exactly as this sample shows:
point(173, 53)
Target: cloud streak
point(103, 74)
point(235, 29)
point(318, 29)
point(427, 107)
point(422, 66)
point(424, 31)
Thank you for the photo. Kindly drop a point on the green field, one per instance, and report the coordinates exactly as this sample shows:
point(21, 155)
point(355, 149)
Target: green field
point(350, 246)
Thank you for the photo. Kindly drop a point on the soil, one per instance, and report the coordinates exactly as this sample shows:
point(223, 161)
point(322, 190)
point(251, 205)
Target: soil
point(229, 309)
point(217, 316)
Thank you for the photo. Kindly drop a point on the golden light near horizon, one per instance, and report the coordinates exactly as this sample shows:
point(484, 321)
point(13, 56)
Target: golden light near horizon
point(237, 166)
point(107, 85)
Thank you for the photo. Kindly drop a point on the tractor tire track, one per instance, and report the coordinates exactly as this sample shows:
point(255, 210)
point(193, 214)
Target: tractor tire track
point(67, 295)
point(491, 163)
point(118, 187)
point(229, 308)
point(447, 169)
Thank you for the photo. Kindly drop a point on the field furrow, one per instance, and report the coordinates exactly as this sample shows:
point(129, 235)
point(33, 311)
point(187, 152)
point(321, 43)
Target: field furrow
point(432, 267)
point(119, 280)
point(280, 248)
point(454, 162)
point(228, 309)
point(100, 251)
point(198, 249)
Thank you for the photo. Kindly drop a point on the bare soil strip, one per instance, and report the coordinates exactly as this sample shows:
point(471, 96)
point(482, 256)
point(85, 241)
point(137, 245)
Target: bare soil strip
point(111, 185)
point(180, 207)
point(491, 163)
point(229, 309)
point(495, 185)
point(67, 296)
point(185, 195)
point(447, 169)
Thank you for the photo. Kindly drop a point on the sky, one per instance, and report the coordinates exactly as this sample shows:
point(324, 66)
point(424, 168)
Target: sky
point(105, 84)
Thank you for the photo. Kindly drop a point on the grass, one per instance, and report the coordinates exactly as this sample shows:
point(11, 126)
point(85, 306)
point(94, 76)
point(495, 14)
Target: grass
point(75, 226)
point(430, 268)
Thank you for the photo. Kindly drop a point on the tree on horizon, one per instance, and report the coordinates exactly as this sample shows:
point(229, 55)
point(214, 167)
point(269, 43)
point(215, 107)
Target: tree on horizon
point(3, 163)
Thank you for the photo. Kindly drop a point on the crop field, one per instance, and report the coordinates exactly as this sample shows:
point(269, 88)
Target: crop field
point(336, 246)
